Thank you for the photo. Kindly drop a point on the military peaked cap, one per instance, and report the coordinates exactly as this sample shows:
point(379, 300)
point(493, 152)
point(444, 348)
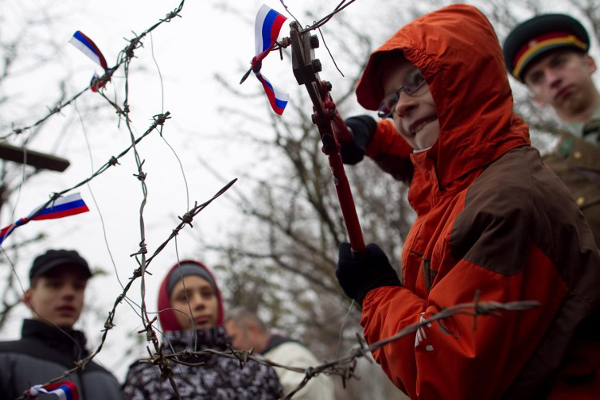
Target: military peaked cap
point(539, 35)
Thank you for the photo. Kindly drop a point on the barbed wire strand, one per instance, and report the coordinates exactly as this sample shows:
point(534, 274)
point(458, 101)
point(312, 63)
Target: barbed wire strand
point(140, 256)
point(125, 54)
point(344, 366)
point(107, 325)
point(285, 42)
point(53, 111)
point(330, 54)
point(124, 57)
point(324, 20)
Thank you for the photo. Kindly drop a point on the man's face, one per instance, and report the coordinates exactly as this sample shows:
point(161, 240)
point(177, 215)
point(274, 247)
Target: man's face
point(195, 303)
point(240, 336)
point(563, 80)
point(57, 298)
point(415, 115)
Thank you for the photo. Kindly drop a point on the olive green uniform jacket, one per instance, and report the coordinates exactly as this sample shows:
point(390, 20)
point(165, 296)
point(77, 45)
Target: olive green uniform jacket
point(577, 164)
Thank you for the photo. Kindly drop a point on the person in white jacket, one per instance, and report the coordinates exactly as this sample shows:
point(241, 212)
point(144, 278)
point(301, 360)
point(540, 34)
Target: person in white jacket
point(247, 332)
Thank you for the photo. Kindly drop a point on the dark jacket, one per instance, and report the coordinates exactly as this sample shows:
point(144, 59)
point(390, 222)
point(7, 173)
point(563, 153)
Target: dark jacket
point(491, 217)
point(211, 377)
point(45, 352)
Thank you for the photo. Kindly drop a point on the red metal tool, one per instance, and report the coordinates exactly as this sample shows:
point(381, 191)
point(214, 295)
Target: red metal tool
point(331, 126)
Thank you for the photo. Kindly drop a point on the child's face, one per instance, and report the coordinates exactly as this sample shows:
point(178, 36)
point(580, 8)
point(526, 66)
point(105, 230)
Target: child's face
point(57, 298)
point(195, 303)
point(415, 116)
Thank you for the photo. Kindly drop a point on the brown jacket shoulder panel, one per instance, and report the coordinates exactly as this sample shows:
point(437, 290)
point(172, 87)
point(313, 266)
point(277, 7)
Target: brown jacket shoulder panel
point(507, 210)
point(499, 212)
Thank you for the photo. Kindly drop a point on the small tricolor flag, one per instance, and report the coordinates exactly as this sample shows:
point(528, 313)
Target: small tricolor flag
point(277, 99)
point(64, 390)
point(89, 48)
point(267, 27)
point(59, 208)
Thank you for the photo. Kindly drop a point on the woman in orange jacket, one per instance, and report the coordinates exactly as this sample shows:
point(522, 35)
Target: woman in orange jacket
point(491, 218)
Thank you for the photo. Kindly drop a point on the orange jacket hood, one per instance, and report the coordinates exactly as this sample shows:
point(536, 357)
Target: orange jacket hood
point(460, 57)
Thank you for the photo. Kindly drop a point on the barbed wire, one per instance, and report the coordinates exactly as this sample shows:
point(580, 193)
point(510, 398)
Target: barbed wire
point(343, 367)
point(286, 42)
point(159, 120)
point(127, 53)
point(327, 18)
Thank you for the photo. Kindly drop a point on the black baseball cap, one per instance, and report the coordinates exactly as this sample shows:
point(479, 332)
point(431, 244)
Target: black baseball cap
point(56, 258)
point(541, 34)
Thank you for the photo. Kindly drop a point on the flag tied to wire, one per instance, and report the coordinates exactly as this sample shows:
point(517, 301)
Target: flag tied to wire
point(89, 48)
point(59, 208)
point(64, 390)
point(267, 27)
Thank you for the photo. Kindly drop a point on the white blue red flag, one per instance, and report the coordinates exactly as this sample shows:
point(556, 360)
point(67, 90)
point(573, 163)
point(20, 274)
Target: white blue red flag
point(267, 27)
point(89, 48)
point(64, 390)
point(62, 207)
point(277, 99)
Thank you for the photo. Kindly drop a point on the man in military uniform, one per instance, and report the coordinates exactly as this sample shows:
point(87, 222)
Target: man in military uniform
point(549, 54)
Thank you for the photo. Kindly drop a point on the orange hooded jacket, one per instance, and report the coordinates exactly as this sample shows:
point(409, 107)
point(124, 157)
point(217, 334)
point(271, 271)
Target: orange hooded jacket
point(490, 217)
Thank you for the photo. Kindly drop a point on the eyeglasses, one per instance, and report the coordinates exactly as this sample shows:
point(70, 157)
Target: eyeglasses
point(413, 82)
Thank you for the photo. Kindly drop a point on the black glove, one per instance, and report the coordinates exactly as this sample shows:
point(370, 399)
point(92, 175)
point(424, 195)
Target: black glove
point(362, 128)
point(359, 273)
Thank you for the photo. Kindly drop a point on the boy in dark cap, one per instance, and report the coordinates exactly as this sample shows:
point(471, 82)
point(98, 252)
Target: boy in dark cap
point(49, 345)
point(549, 54)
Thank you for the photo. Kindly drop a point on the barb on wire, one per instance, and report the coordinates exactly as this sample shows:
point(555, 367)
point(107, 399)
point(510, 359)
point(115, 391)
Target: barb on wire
point(324, 20)
point(124, 54)
point(158, 120)
point(285, 42)
point(188, 216)
point(55, 110)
